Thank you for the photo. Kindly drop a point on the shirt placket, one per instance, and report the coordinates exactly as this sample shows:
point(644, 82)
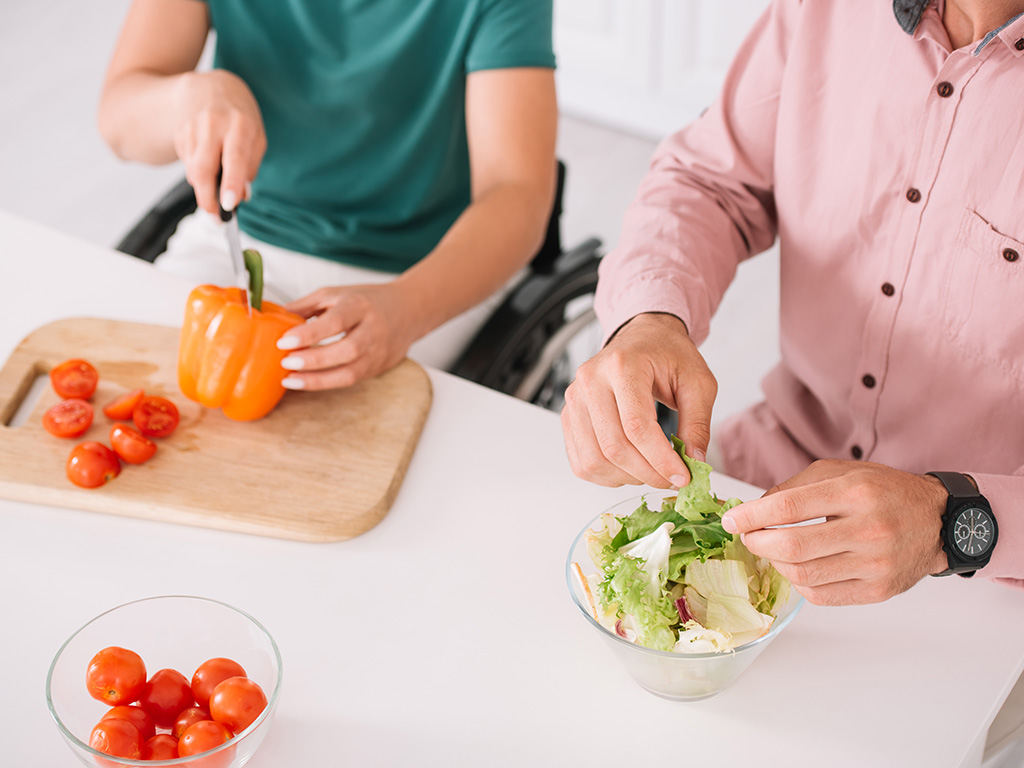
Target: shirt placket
point(936, 123)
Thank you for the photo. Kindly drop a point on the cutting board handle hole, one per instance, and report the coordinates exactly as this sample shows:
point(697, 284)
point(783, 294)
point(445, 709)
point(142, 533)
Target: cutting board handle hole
point(31, 389)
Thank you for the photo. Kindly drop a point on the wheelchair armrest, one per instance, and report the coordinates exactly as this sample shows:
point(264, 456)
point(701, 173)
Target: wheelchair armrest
point(148, 238)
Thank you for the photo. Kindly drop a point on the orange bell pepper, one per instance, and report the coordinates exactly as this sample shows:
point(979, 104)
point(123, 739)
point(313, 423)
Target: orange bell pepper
point(228, 358)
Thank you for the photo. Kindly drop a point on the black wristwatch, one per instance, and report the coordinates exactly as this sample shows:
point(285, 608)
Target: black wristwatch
point(969, 529)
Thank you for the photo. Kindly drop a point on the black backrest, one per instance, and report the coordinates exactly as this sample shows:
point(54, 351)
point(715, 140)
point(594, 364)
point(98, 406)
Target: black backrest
point(544, 262)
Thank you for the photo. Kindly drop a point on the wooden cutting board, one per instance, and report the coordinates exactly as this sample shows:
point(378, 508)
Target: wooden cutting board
point(323, 466)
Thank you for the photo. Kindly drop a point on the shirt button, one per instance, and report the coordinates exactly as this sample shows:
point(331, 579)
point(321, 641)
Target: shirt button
point(856, 452)
point(945, 89)
point(1010, 255)
point(868, 380)
point(888, 289)
point(1019, 45)
point(914, 195)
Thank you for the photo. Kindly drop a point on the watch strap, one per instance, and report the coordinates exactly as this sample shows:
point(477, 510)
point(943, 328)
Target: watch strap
point(957, 484)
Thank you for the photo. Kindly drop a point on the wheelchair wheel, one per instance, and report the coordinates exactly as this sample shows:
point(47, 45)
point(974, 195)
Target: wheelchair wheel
point(531, 347)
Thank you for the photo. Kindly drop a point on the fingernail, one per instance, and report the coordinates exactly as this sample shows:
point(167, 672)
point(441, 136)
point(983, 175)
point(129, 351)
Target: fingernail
point(293, 382)
point(678, 481)
point(293, 363)
point(248, 190)
point(288, 342)
point(700, 456)
point(228, 200)
point(728, 523)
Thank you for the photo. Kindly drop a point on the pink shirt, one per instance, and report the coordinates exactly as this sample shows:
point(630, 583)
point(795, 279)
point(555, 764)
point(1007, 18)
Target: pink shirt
point(892, 171)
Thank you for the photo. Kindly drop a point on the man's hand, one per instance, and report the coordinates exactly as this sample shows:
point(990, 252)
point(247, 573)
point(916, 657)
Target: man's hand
point(612, 435)
point(881, 535)
point(378, 331)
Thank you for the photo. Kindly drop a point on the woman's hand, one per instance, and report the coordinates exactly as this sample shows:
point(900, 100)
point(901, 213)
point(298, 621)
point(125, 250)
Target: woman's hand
point(218, 129)
point(378, 329)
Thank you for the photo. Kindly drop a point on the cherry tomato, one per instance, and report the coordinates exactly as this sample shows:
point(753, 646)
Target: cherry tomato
point(202, 737)
point(116, 676)
point(186, 718)
point(163, 746)
point(68, 418)
point(166, 694)
point(122, 408)
point(129, 445)
point(237, 702)
point(209, 674)
point(155, 416)
point(117, 737)
point(134, 715)
point(90, 465)
point(74, 378)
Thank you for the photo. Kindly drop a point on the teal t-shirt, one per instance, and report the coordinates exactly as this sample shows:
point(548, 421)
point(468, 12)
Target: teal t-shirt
point(364, 107)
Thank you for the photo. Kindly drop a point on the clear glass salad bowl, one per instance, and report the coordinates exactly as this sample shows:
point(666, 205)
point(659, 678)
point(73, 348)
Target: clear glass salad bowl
point(172, 631)
point(675, 676)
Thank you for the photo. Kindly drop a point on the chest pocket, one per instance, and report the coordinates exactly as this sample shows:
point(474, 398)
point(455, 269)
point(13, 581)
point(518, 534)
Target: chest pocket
point(983, 298)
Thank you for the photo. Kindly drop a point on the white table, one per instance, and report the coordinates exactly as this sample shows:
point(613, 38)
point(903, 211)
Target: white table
point(446, 635)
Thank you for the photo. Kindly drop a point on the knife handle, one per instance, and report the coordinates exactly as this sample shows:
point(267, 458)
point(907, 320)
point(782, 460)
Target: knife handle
point(225, 216)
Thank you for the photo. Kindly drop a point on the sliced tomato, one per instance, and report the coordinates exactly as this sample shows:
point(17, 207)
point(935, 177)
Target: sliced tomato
point(68, 418)
point(74, 378)
point(130, 446)
point(90, 465)
point(156, 416)
point(122, 408)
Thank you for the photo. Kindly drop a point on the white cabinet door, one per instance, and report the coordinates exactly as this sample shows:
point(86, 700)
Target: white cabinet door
point(646, 66)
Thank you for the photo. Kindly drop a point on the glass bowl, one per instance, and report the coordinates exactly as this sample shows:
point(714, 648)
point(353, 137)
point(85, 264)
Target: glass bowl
point(675, 676)
point(172, 631)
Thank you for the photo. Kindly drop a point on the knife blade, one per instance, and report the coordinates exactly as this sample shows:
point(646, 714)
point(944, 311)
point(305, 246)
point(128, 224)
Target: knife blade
point(235, 250)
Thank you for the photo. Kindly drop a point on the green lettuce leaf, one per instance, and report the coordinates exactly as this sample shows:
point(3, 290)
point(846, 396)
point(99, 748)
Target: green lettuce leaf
point(627, 585)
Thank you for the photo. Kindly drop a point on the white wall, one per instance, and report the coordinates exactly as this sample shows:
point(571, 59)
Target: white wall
point(646, 66)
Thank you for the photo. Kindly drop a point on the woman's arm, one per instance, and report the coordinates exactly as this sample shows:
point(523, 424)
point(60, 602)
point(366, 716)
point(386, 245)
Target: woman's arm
point(511, 119)
point(156, 109)
point(511, 122)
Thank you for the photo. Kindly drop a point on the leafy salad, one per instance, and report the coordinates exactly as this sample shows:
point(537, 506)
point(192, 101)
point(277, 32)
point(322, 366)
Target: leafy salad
point(672, 579)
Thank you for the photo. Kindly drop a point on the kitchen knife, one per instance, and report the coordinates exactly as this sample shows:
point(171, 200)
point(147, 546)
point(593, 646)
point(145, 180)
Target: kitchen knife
point(230, 220)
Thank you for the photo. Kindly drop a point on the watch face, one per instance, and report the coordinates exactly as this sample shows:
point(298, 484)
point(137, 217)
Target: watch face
point(973, 531)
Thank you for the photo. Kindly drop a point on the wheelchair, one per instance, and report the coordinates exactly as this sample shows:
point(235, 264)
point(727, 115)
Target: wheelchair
point(528, 348)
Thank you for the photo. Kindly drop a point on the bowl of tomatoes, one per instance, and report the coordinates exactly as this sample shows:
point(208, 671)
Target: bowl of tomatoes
point(170, 680)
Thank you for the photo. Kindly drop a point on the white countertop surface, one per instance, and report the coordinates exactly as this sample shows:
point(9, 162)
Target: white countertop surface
point(446, 635)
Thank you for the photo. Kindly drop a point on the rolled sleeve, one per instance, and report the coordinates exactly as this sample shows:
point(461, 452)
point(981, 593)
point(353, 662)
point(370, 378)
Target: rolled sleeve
point(1006, 495)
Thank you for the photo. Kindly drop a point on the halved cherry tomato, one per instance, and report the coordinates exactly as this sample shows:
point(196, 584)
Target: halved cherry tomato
point(155, 416)
point(134, 715)
point(68, 418)
point(166, 694)
point(90, 465)
point(116, 676)
point(163, 746)
point(202, 737)
point(237, 702)
point(122, 408)
point(210, 674)
point(186, 718)
point(132, 447)
point(74, 378)
point(117, 737)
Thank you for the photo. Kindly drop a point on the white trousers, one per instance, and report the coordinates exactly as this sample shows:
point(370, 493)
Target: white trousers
point(197, 251)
